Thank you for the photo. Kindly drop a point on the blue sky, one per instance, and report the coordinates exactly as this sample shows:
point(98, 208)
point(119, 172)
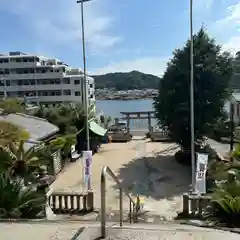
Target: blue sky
point(121, 35)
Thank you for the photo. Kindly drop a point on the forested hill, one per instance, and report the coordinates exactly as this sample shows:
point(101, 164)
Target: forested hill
point(125, 81)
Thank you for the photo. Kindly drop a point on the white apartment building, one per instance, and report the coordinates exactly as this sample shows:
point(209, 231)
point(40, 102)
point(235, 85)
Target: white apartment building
point(42, 80)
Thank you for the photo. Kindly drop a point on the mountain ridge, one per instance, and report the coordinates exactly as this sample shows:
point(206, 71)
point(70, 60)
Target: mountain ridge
point(126, 80)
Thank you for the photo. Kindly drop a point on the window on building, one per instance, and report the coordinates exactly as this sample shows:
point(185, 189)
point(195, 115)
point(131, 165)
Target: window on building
point(76, 82)
point(8, 83)
point(66, 81)
point(44, 82)
point(32, 82)
point(91, 85)
point(25, 82)
point(4, 60)
point(20, 82)
point(77, 93)
point(67, 92)
point(57, 81)
point(58, 93)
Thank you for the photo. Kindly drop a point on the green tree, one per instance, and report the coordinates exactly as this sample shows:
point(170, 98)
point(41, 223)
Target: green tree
point(12, 105)
point(68, 118)
point(212, 74)
point(10, 133)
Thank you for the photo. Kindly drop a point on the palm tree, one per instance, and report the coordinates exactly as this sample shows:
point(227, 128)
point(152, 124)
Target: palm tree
point(18, 201)
point(19, 162)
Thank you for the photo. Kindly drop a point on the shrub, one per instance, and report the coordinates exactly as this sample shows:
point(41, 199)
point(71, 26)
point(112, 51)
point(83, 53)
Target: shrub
point(226, 201)
point(19, 201)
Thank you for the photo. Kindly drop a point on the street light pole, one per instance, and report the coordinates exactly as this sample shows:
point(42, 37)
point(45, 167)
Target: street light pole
point(192, 98)
point(85, 74)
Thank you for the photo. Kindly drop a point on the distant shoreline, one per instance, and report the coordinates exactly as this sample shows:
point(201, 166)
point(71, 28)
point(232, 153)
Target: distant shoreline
point(123, 99)
point(133, 94)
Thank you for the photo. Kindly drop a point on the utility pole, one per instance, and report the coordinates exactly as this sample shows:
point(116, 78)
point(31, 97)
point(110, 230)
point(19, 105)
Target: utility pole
point(192, 98)
point(85, 84)
point(86, 101)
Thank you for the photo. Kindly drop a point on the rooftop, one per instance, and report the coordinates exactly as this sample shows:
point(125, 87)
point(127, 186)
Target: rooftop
point(39, 129)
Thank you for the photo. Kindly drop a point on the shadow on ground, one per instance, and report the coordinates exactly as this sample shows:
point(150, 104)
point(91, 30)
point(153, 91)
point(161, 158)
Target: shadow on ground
point(158, 176)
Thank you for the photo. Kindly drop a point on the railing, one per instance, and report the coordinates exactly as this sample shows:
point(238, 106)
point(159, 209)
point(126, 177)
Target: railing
point(70, 202)
point(132, 206)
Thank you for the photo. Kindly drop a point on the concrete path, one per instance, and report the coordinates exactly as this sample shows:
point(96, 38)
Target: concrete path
point(221, 148)
point(91, 231)
point(145, 168)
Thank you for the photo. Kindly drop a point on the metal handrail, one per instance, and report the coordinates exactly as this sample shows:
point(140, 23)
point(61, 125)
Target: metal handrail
point(106, 170)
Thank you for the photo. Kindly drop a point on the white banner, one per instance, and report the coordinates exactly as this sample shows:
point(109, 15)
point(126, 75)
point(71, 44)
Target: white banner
point(87, 164)
point(202, 162)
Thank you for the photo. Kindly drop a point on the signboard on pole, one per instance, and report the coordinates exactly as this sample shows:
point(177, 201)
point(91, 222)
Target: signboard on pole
point(202, 162)
point(87, 164)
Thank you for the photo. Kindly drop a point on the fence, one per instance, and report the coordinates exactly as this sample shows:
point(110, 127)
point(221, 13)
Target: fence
point(160, 135)
point(70, 202)
point(195, 205)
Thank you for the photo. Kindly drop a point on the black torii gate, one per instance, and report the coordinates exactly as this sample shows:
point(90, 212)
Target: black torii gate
point(138, 115)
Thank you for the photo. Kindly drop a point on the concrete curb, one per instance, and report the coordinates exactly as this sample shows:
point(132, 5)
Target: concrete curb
point(226, 229)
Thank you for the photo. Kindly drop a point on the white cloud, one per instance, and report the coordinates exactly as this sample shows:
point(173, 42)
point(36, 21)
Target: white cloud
point(200, 5)
point(232, 15)
point(59, 21)
point(155, 66)
point(230, 23)
point(233, 44)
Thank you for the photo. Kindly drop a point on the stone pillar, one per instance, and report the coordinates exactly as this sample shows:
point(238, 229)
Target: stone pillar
point(90, 201)
point(149, 122)
point(128, 123)
point(185, 204)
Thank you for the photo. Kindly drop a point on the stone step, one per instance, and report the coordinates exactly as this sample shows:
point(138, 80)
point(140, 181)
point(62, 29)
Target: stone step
point(156, 232)
point(114, 216)
point(77, 230)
